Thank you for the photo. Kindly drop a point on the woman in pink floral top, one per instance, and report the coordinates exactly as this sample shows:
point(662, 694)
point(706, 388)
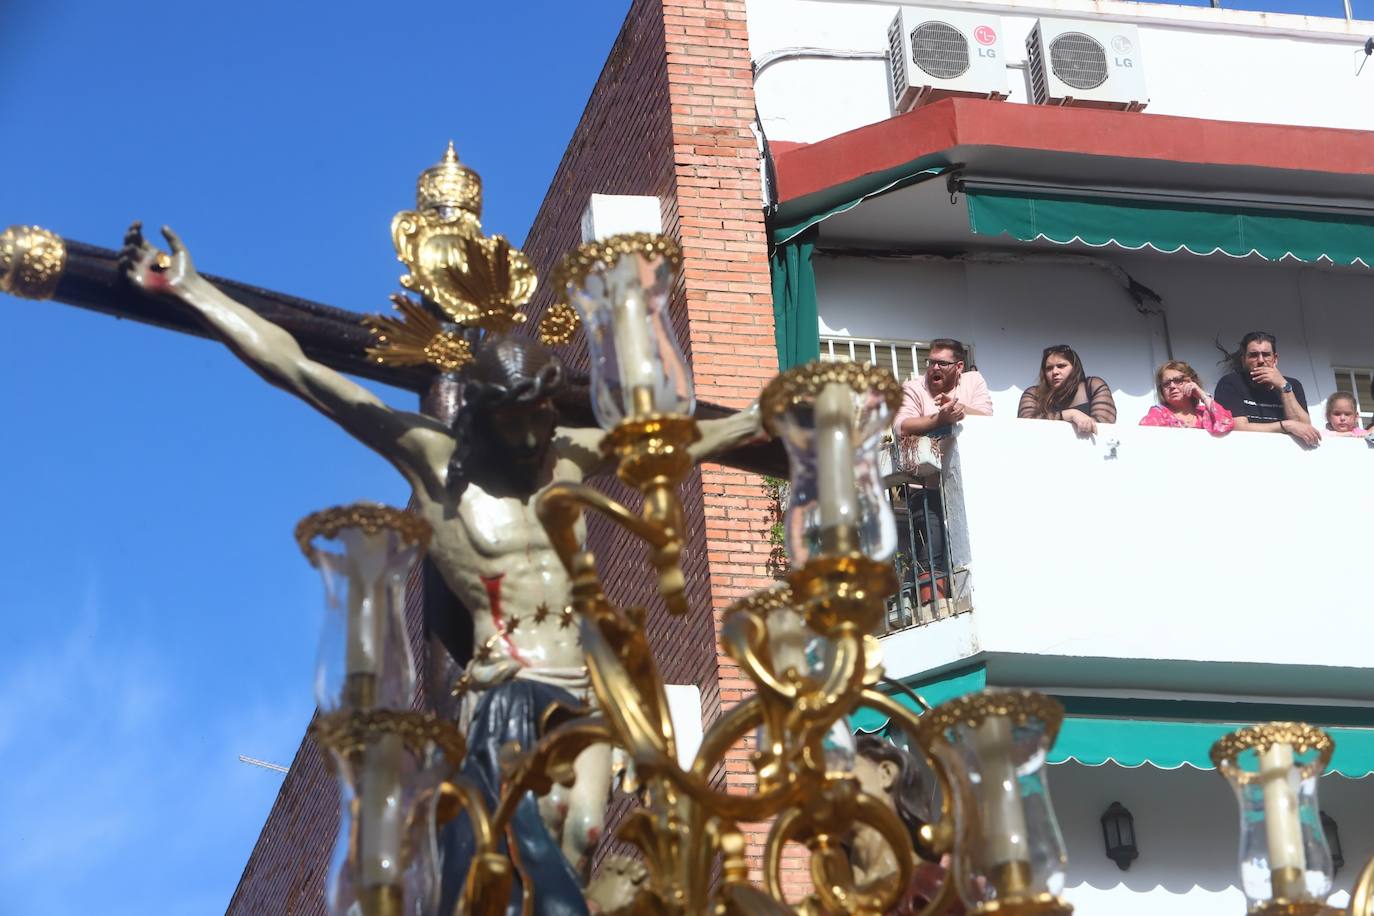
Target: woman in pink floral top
point(1186, 405)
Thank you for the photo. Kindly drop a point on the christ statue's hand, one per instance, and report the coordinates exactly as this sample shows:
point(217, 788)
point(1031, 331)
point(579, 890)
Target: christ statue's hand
point(154, 270)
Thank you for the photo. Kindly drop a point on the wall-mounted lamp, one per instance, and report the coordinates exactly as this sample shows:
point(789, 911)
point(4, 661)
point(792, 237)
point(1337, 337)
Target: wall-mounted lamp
point(1118, 834)
point(1333, 841)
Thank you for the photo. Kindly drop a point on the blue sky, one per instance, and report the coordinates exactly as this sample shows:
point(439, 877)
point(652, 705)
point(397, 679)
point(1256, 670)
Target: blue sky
point(158, 618)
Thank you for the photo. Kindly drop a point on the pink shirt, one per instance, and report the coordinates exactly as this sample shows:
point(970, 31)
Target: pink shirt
point(917, 401)
point(1214, 418)
point(1353, 434)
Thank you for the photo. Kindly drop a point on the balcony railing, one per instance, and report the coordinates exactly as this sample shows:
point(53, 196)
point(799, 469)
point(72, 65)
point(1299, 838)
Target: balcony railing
point(932, 586)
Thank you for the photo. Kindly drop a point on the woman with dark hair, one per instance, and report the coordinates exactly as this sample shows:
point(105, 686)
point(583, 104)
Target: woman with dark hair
point(1066, 392)
point(1184, 404)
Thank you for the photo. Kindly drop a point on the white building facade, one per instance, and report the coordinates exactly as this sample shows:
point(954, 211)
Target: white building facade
point(1165, 585)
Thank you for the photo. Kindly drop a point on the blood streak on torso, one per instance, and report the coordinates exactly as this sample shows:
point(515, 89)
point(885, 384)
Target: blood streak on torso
point(493, 586)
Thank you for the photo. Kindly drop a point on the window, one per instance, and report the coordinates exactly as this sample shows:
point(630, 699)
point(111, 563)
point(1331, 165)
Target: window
point(1352, 381)
point(905, 359)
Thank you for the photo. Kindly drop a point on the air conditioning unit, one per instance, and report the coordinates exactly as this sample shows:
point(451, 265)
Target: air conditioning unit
point(934, 54)
point(1086, 64)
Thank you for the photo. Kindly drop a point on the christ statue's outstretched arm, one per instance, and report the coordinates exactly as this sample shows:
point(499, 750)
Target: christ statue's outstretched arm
point(417, 445)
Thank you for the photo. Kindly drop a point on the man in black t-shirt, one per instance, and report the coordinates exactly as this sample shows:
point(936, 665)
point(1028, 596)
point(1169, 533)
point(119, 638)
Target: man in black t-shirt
point(1263, 399)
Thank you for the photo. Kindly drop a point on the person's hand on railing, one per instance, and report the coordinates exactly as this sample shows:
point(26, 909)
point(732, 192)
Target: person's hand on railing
point(951, 411)
point(1082, 424)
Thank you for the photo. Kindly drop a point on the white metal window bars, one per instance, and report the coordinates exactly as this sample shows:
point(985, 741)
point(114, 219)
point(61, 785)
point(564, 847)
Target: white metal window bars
point(924, 595)
point(1356, 382)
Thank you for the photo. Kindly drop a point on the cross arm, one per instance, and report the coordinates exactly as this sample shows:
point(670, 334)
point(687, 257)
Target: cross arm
point(90, 277)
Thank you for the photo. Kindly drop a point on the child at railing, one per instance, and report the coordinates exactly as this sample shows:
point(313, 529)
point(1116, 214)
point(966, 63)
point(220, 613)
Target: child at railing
point(1343, 416)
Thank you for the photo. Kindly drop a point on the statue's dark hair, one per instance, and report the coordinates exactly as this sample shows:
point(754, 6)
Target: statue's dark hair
point(910, 791)
point(507, 371)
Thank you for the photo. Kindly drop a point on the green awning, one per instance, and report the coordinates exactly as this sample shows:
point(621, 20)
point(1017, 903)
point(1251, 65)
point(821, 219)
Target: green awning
point(796, 321)
point(1169, 745)
point(1166, 734)
point(1304, 235)
point(796, 324)
point(934, 691)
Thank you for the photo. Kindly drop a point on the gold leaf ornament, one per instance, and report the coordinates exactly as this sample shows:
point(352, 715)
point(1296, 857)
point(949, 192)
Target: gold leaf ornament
point(559, 324)
point(415, 339)
point(31, 262)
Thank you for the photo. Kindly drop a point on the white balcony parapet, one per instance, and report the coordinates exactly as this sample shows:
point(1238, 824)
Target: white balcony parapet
point(1151, 544)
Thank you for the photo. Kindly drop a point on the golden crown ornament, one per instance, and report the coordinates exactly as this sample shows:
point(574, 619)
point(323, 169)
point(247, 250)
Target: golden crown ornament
point(464, 277)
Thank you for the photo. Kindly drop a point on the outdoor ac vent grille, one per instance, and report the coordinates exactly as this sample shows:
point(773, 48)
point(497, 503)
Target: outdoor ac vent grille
point(896, 54)
point(1078, 60)
point(1040, 91)
point(940, 50)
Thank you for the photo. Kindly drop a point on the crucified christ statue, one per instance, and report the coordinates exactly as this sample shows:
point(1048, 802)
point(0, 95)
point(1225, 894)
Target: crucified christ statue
point(476, 483)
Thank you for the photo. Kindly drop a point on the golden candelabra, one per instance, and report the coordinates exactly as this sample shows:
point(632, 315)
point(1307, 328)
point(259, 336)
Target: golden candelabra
point(806, 645)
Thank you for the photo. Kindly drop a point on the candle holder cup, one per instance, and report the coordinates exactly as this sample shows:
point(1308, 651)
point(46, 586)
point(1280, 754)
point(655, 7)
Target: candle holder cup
point(830, 417)
point(1285, 864)
point(1009, 857)
point(364, 659)
point(621, 287)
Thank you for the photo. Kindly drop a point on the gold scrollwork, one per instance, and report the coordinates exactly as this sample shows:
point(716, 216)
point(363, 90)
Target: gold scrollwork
point(415, 339)
point(559, 324)
point(372, 518)
point(1020, 706)
point(348, 732)
point(1038, 905)
point(805, 382)
point(31, 262)
point(474, 280)
point(606, 252)
point(1299, 735)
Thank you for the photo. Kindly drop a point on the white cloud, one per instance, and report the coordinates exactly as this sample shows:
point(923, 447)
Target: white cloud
point(121, 790)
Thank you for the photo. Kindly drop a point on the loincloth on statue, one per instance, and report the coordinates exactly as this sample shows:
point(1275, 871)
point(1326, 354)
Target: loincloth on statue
point(479, 678)
point(514, 710)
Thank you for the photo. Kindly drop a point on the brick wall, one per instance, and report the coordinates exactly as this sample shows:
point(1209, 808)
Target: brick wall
point(729, 304)
point(669, 117)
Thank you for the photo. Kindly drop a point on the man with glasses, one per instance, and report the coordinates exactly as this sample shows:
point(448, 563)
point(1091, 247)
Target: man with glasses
point(1262, 398)
point(930, 405)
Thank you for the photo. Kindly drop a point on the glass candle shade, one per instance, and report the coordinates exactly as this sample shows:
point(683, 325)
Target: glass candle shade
point(621, 288)
point(994, 745)
point(364, 553)
point(385, 860)
point(830, 417)
point(1274, 769)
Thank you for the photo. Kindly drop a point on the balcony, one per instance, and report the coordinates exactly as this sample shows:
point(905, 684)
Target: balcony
point(1146, 556)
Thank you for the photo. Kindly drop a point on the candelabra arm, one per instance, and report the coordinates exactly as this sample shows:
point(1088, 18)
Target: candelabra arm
point(548, 762)
point(486, 890)
point(560, 506)
point(939, 838)
point(1362, 894)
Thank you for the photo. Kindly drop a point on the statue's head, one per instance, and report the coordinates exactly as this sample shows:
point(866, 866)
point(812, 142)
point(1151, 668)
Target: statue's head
point(887, 771)
point(507, 418)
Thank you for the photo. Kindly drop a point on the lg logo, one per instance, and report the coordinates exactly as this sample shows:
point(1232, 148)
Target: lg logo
point(985, 35)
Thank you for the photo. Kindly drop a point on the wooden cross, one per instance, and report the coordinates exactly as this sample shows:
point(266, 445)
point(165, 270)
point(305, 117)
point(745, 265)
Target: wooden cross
point(90, 277)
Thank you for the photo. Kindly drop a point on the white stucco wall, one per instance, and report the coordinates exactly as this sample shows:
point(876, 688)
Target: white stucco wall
point(1187, 833)
point(1009, 312)
point(1242, 549)
point(1199, 62)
